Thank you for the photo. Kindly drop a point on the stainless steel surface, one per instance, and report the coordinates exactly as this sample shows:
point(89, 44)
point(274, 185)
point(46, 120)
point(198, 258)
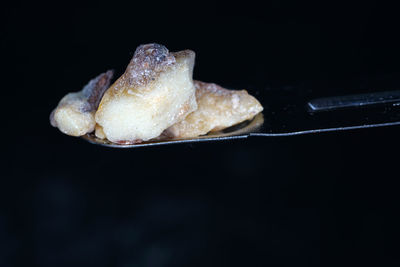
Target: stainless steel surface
point(338, 102)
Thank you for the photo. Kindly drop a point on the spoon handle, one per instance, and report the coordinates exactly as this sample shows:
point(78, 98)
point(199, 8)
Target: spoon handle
point(329, 114)
point(353, 101)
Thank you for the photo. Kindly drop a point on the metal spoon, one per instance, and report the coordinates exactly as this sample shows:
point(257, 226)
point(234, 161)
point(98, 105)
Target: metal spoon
point(287, 114)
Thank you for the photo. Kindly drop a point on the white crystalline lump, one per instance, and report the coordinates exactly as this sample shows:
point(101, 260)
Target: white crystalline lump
point(154, 99)
point(155, 92)
point(218, 108)
point(74, 115)
point(70, 118)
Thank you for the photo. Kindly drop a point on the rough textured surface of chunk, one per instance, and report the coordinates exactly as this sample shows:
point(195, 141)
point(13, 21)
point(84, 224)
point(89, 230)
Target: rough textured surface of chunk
point(155, 92)
point(74, 115)
point(218, 108)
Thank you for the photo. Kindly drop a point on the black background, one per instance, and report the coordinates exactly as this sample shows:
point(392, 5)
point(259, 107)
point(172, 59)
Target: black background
point(320, 200)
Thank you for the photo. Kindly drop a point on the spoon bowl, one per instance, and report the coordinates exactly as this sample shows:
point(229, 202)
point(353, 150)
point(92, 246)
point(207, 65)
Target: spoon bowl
point(287, 116)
